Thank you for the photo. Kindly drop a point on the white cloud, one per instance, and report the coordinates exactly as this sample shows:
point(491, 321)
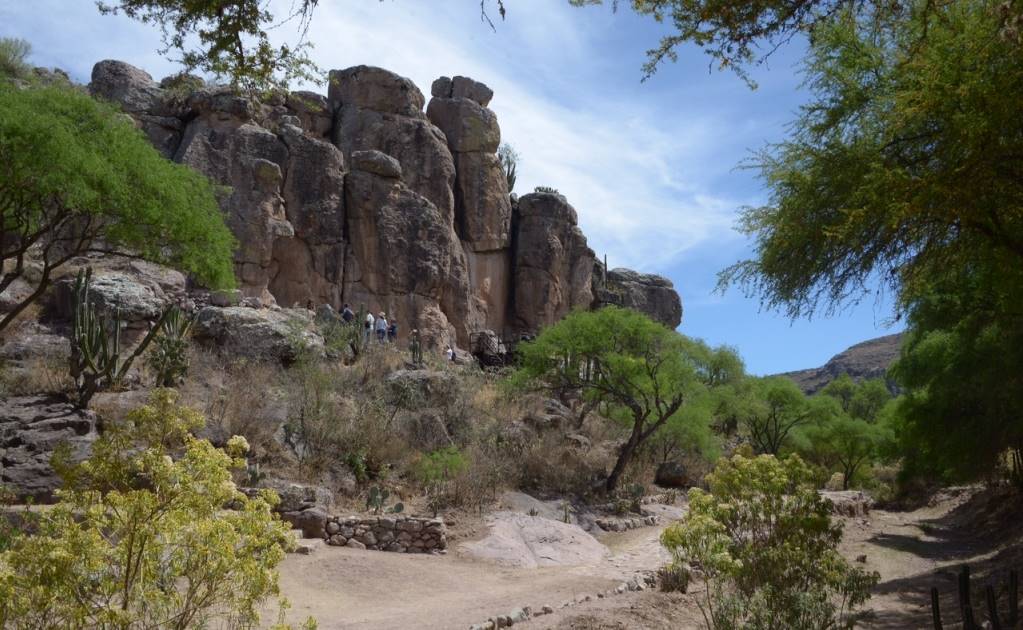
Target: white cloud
point(631, 173)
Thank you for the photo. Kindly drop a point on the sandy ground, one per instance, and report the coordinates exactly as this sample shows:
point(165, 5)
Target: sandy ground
point(347, 589)
point(912, 550)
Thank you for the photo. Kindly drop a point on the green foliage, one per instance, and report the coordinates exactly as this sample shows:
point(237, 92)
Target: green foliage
point(898, 168)
point(773, 409)
point(95, 361)
point(961, 366)
point(230, 42)
point(509, 162)
point(169, 356)
point(763, 536)
point(440, 466)
point(141, 538)
point(13, 55)
point(376, 499)
point(641, 371)
point(79, 178)
point(854, 432)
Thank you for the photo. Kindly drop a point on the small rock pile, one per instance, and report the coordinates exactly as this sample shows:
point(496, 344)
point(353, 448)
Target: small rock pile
point(401, 534)
point(521, 615)
point(624, 524)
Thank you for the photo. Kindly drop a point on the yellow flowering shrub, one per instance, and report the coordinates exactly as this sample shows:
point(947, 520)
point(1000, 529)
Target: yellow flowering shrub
point(149, 532)
point(764, 540)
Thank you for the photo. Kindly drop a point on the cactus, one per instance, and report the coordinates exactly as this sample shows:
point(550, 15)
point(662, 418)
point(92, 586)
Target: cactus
point(96, 358)
point(378, 497)
point(169, 359)
point(546, 189)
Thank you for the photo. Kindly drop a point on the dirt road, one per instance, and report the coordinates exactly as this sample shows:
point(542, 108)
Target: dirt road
point(351, 589)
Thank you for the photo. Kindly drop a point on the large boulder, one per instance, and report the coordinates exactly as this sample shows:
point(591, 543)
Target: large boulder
point(130, 87)
point(653, 295)
point(368, 87)
point(672, 475)
point(521, 540)
point(553, 266)
point(281, 334)
point(482, 205)
point(32, 428)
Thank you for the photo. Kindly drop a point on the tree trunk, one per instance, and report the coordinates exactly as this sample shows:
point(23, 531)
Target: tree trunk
point(624, 456)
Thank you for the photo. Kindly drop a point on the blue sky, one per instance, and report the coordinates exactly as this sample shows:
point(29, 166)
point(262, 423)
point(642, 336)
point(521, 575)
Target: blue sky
point(650, 166)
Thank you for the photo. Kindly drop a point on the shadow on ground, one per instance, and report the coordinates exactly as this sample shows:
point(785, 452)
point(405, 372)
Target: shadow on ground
point(985, 532)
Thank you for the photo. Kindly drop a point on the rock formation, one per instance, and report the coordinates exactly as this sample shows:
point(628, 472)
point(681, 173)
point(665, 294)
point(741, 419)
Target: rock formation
point(362, 196)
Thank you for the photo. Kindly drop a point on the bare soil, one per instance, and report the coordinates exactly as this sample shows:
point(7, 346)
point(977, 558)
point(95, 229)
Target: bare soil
point(912, 550)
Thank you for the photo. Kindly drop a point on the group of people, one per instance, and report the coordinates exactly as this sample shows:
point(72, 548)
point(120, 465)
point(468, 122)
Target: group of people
point(385, 331)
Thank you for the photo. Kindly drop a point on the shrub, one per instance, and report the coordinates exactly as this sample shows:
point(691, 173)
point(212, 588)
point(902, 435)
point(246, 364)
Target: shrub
point(169, 357)
point(141, 539)
point(13, 53)
point(763, 536)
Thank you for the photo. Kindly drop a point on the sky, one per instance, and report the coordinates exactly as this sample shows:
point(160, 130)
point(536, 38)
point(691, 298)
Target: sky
point(654, 168)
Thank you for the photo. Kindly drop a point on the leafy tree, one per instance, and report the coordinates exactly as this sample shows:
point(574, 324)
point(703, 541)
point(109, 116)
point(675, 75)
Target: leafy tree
point(904, 164)
point(641, 370)
point(230, 39)
point(13, 55)
point(776, 409)
point(962, 367)
point(852, 435)
point(76, 178)
point(905, 169)
point(763, 536)
point(141, 538)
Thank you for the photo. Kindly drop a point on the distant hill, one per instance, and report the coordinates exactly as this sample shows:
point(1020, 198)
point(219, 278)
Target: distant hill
point(869, 359)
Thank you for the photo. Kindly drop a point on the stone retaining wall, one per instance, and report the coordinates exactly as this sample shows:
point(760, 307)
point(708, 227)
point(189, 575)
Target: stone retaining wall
point(402, 534)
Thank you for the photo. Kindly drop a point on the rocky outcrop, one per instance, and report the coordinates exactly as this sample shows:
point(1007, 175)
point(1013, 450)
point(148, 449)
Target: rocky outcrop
point(866, 360)
point(32, 429)
point(552, 266)
point(280, 334)
point(361, 196)
point(647, 293)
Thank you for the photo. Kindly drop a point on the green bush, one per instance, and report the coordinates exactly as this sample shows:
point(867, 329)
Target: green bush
point(140, 537)
point(13, 53)
point(764, 539)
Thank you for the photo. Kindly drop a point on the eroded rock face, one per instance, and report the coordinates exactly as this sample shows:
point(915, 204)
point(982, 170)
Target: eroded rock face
point(401, 256)
point(652, 295)
point(32, 428)
point(360, 196)
point(553, 265)
point(482, 206)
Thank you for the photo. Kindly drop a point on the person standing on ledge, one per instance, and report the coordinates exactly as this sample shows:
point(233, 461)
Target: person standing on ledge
point(347, 315)
point(392, 331)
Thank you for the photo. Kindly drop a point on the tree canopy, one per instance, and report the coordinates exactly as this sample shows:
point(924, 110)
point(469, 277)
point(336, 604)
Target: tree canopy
point(77, 177)
point(623, 359)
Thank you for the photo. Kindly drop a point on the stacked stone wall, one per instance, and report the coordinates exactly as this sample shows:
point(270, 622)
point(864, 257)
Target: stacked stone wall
point(401, 534)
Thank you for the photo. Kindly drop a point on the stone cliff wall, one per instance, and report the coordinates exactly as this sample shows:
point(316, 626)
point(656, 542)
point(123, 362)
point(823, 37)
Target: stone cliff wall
point(362, 196)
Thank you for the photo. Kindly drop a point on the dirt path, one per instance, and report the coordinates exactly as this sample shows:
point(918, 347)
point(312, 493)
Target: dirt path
point(913, 551)
point(916, 550)
point(352, 589)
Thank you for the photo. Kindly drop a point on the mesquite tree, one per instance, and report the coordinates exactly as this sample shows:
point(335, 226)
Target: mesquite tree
point(643, 372)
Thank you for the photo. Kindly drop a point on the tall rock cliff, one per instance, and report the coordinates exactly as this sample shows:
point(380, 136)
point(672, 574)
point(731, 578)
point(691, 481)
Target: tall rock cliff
point(362, 196)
